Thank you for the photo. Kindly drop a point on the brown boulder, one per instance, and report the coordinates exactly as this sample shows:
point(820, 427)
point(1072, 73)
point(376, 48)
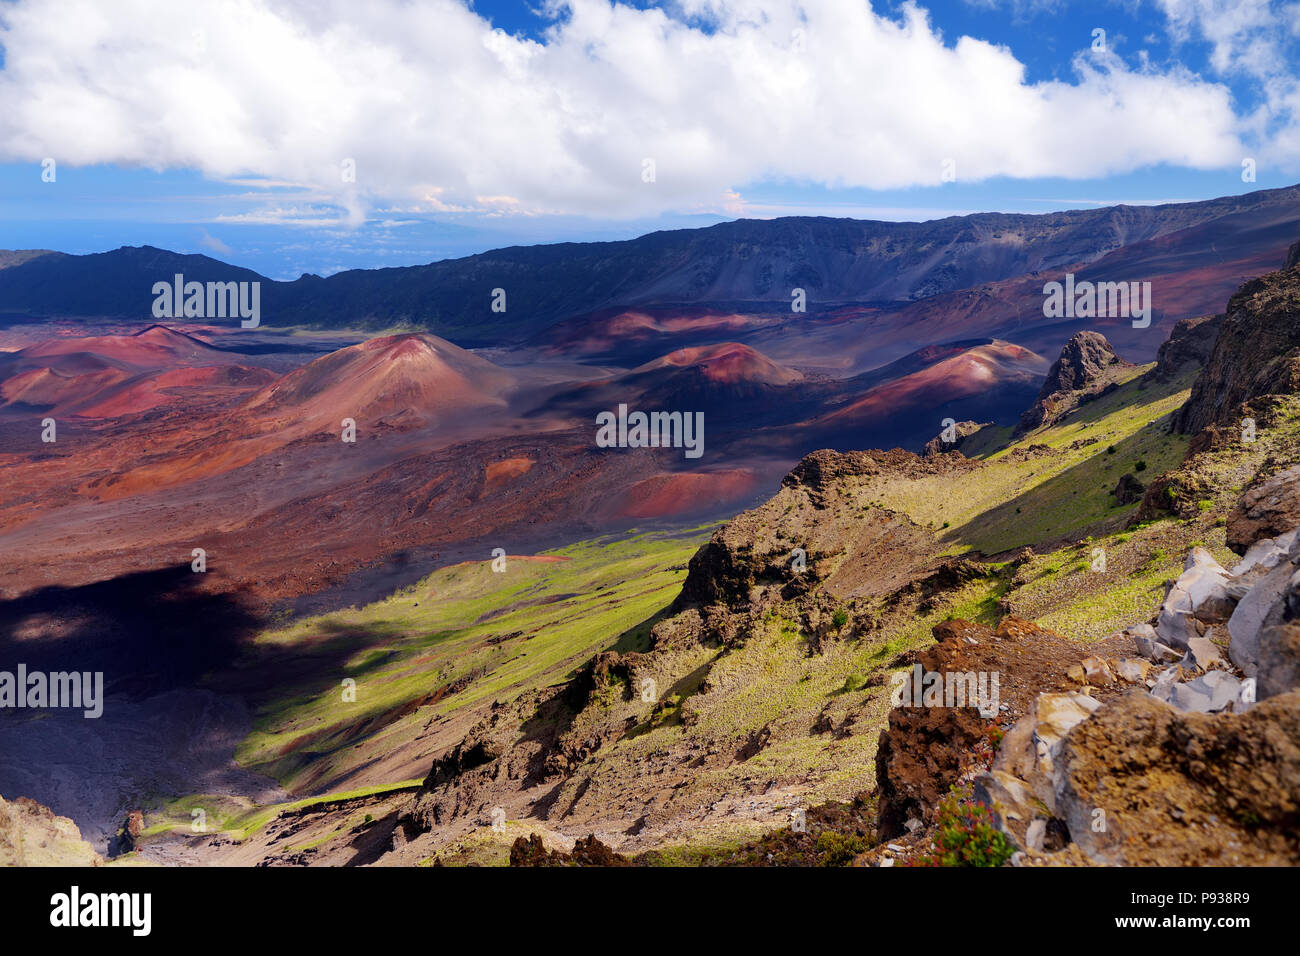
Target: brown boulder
point(1143, 784)
point(587, 851)
point(1268, 507)
point(1128, 489)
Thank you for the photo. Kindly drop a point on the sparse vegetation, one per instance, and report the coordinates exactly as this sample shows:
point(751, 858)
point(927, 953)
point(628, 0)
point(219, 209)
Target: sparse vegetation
point(965, 835)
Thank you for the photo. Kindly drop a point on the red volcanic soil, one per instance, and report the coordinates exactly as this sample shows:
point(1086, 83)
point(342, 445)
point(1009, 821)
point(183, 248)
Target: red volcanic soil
point(154, 347)
point(394, 382)
point(205, 383)
point(49, 389)
point(976, 371)
point(108, 376)
point(186, 457)
point(677, 494)
point(417, 376)
point(610, 331)
point(729, 363)
point(501, 473)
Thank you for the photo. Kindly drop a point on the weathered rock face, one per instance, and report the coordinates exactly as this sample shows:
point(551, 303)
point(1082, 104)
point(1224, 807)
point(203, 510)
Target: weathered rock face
point(1136, 782)
point(920, 756)
point(31, 835)
point(1268, 507)
point(874, 552)
point(926, 750)
point(1084, 371)
point(1179, 772)
point(1020, 786)
point(1257, 354)
point(938, 445)
point(1198, 598)
point(459, 783)
point(1189, 346)
point(1230, 782)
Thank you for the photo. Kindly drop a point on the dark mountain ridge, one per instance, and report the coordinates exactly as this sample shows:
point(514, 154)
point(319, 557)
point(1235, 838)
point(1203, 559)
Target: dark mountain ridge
point(746, 263)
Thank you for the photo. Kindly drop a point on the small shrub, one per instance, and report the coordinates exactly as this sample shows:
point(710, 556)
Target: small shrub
point(839, 849)
point(840, 618)
point(965, 835)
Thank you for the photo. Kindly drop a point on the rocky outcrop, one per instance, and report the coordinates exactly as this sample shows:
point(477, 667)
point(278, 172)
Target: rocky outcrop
point(941, 444)
point(813, 530)
point(1136, 782)
point(929, 747)
point(127, 838)
point(1188, 744)
point(1178, 493)
point(1256, 355)
point(1189, 346)
point(1230, 783)
point(461, 782)
point(1128, 489)
point(1269, 507)
point(1085, 370)
point(32, 835)
point(821, 471)
point(587, 851)
point(922, 754)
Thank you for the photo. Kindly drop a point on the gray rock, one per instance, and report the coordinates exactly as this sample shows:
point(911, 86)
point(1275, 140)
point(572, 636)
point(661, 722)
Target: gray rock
point(1149, 646)
point(1264, 554)
point(1207, 694)
point(1177, 625)
point(1198, 557)
point(1166, 681)
point(1204, 584)
point(1279, 660)
point(1023, 779)
point(1249, 618)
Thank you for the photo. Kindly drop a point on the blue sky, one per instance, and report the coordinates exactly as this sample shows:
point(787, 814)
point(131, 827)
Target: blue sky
point(222, 130)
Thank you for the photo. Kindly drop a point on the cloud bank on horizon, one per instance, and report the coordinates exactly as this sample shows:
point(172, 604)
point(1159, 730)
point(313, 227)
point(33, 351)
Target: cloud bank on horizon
point(614, 111)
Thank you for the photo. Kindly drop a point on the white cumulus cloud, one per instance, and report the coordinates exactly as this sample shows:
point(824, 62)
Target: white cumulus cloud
point(435, 110)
